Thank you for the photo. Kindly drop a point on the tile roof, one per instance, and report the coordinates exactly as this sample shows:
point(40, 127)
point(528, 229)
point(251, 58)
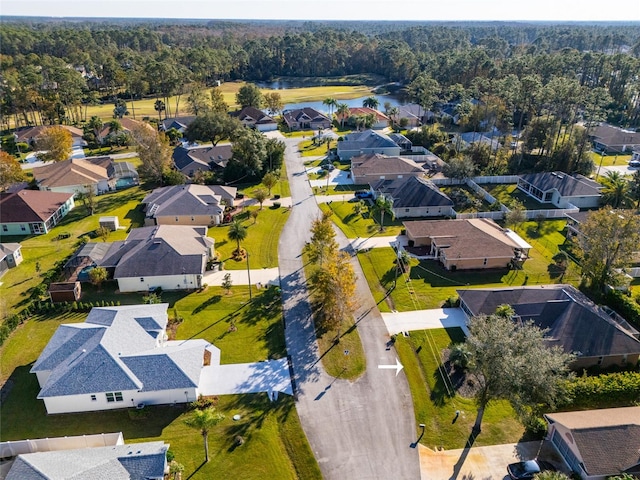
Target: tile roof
point(30, 205)
point(566, 185)
point(467, 238)
point(413, 192)
point(117, 349)
point(377, 164)
point(134, 461)
point(368, 111)
point(160, 250)
point(74, 171)
point(573, 321)
point(608, 439)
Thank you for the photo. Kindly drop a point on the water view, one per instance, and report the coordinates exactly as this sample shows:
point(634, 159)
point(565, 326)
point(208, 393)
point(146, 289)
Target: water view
point(354, 102)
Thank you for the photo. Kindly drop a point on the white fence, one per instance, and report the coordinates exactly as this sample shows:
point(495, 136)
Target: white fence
point(493, 215)
point(552, 213)
point(507, 179)
point(634, 272)
point(19, 447)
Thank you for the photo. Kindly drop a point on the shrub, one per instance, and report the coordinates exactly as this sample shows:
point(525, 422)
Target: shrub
point(622, 388)
point(276, 204)
point(625, 306)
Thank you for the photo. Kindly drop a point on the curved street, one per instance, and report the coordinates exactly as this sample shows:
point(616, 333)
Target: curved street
point(357, 430)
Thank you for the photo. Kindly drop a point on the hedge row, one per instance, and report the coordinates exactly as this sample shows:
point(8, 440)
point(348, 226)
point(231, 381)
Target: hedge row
point(620, 388)
point(44, 308)
point(625, 305)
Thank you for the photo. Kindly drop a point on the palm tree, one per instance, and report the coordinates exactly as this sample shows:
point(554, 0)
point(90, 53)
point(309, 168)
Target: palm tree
point(371, 102)
point(159, 107)
point(342, 110)
point(381, 206)
point(95, 124)
point(204, 420)
point(393, 114)
point(331, 103)
point(616, 190)
point(238, 232)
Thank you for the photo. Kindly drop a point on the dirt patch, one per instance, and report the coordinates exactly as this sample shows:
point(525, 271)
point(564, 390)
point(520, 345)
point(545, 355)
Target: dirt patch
point(465, 385)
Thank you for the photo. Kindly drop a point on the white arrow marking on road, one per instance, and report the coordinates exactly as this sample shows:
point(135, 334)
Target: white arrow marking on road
point(397, 367)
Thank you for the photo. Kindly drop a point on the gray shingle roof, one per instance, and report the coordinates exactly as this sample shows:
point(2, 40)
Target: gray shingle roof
point(575, 323)
point(160, 250)
point(304, 115)
point(366, 140)
point(187, 200)
point(567, 185)
point(208, 157)
point(377, 164)
point(413, 192)
point(252, 113)
point(135, 461)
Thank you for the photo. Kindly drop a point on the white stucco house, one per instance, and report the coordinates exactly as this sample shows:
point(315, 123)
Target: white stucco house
point(172, 257)
point(120, 357)
point(561, 189)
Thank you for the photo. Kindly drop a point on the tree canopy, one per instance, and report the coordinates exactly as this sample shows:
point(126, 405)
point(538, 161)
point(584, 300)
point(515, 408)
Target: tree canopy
point(55, 143)
point(10, 170)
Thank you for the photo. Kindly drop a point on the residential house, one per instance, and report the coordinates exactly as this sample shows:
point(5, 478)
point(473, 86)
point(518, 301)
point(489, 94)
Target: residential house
point(128, 126)
point(477, 243)
point(85, 258)
point(306, 119)
point(468, 139)
point(610, 139)
point(188, 204)
point(171, 257)
point(380, 119)
point(403, 142)
point(369, 141)
point(597, 444)
point(133, 461)
point(29, 135)
point(32, 211)
point(10, 256)
point(574, 323)
point(179, 123)
point(255, 118)
point(201, 159)
point(373, 167)
point(415, 115)
point(561, 189)
point(120, 357)
point(415, 197)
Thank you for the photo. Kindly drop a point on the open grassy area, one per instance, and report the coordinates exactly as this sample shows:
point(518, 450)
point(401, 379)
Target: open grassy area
point(261, 242)
point(46, 250)
point(308, 148)
point(429, 284)
point(506, 194)
point(275, 445)
point(362, 225)
point(435, 401)
point(609, 160)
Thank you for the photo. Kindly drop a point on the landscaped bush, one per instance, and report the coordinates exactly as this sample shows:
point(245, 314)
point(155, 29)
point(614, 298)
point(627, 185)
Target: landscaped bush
point(614, 389)
point(626, 306)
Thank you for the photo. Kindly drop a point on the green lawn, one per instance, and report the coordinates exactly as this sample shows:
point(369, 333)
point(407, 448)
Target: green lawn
point(506, 194)
point(308, 148)
point(610, 160)
point(46, 250)
point(429, 285)
point(478, 205)
point(275, 445)
point(261, 242)
point(435, 403)
point(354, 226)
point(281, 188)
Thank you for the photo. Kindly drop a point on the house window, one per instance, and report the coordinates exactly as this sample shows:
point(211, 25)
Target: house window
point(142, 279)
point(114, 397)
point(406, 210)
point(600, 360)
point(192, 218)
point(176, 219)
point(23, 228)
point(93, 398)
point(4, 228)
point(485, 262)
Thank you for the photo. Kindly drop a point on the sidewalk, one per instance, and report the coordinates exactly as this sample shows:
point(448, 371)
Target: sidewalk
point(264, 276)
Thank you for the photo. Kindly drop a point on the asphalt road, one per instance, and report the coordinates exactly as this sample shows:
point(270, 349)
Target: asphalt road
point(357, 430)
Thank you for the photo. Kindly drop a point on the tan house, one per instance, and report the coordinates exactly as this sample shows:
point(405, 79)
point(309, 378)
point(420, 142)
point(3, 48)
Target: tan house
point(477, 243)
point(29, 135)
point(373, 167)
point(188, 204)
point(597, 444)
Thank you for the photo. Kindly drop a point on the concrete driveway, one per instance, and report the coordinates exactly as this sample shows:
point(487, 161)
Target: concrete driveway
point(264, 276)
point(336, 177)
point(482, 463)
point(397, 322)
point(271, 377)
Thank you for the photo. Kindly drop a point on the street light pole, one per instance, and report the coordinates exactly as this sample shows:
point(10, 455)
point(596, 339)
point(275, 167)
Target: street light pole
point(249, 276)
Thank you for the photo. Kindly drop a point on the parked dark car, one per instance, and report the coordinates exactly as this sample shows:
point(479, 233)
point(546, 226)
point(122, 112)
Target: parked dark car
point(363, 194)
point(528, 469)
point(634, 163)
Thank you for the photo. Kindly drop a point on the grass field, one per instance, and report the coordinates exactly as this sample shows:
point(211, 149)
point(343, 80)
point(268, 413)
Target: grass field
point(506, 194)
point(354, 226)
point(610, 160)
point(435, 401)
point(429, 285)
point(261, 242)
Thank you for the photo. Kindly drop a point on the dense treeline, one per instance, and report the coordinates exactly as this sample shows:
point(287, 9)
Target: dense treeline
point(54, 68)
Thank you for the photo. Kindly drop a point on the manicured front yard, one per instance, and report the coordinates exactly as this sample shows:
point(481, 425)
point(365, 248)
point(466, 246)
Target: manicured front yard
point(435, 402)
point(360, 225)
point(506, 194)
point(261, 242)
point(429, 284)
